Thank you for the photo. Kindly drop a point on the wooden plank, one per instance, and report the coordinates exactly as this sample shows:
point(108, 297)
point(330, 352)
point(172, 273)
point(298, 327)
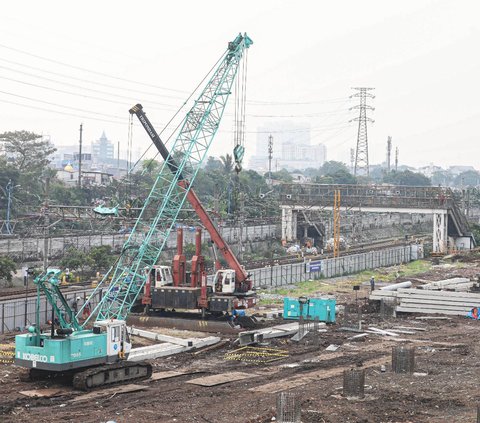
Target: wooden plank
point(306, 378)
point(123, 389)
point(220, 379)
point(46, 393)
point(169, 374)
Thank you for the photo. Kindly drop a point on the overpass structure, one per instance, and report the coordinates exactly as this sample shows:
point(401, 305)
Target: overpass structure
point(450, 227)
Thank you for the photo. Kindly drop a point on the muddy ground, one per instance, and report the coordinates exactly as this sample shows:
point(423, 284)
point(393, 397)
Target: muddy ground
point(442, 389)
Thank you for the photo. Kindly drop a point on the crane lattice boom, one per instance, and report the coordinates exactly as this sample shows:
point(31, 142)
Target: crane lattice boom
point(167, 196)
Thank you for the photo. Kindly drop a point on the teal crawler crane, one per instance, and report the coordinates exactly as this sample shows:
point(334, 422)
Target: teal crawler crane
point(96, 350)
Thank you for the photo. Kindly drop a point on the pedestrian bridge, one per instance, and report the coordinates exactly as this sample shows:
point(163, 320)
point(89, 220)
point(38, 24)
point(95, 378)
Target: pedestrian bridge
point(450, 227)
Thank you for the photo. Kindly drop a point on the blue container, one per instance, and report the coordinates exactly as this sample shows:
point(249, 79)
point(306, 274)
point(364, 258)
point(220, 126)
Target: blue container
point(323, 308)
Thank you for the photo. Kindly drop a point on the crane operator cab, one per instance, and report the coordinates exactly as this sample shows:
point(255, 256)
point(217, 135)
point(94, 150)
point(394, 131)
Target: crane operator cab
point(118, 339)
point(160, 276)
point(224, 281)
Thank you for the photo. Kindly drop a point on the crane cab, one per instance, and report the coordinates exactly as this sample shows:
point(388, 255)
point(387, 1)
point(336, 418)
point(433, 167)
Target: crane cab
point(160, 276)
point(118, 339)
point(224, 282)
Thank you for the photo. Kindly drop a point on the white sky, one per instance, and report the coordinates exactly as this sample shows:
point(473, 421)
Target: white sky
point(421, 56)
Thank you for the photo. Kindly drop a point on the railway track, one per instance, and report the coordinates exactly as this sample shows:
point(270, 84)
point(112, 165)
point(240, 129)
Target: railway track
point(22, 293)
point(359, 248)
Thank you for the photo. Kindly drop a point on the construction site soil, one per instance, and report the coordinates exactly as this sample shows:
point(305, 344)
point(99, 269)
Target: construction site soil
point(442, 389)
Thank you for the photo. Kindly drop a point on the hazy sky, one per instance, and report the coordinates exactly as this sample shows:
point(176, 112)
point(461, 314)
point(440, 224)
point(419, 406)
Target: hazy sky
point(64, 62)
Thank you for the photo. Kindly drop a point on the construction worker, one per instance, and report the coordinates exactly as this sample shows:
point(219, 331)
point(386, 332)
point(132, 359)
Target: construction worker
point(74, 304)
point(372, 284)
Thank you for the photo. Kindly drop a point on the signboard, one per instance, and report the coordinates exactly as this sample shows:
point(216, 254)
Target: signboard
point(314, 266)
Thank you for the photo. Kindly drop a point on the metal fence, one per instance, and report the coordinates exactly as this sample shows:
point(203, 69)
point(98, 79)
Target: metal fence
point(289, 274)
point(23, 249)
point(18, 314)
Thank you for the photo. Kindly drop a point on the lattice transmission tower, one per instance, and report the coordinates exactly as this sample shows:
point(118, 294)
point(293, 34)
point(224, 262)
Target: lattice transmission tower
point(361, 156)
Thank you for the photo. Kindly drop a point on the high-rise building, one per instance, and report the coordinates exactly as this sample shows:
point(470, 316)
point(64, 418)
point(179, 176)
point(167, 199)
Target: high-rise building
point(102, 149)
point(291, 148)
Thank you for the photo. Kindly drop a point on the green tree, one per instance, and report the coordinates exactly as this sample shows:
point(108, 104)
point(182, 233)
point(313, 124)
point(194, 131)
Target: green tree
point(7, 269)
point(227, 162)
point(469, 178)
point(332, 166)
point(213, 164)
point(102, 257)
point(282, 175)
point(75, 259)
point(442, 177)
point(408, 178)
point(31, 154)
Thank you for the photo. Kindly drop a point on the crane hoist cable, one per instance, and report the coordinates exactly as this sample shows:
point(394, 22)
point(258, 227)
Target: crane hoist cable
point(130, 167)
point(239, 116)
point(200, 84)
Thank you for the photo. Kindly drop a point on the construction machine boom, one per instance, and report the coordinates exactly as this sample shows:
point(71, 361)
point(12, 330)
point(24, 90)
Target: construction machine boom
point(242, 282)
point(97, 355)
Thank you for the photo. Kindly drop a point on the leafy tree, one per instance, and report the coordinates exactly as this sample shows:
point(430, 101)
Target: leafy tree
point(468, 178)
point(441, 177)
point(342, 176)
point(475, 228)
point(282, 175)
point(102, 257)
point(30, 153)
point(76, 260)
point(407, 177)
point(227, 162)
point(7, 269)
point(213, 164)
point(332, 166)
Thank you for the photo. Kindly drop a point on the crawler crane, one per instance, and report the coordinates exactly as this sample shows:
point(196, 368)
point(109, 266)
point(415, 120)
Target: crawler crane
point(97, 356)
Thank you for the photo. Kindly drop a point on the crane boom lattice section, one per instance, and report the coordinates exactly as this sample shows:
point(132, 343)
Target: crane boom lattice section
point(168, 194)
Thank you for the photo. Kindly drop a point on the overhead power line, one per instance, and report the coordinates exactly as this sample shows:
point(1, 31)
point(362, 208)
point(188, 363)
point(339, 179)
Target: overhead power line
point(68, 65)
point(88, 81)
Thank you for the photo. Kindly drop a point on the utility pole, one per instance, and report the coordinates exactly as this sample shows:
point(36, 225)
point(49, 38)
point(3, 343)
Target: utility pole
point(352, 160)
point(9, 189)
point(80, 159)
point(118, 159)
point(361, 158)
point(46, 228)
point(389, 152)
point(270, 157)
point(396, 159)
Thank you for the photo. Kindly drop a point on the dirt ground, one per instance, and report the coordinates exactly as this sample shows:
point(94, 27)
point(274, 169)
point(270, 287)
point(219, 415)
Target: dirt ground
point(442, 389)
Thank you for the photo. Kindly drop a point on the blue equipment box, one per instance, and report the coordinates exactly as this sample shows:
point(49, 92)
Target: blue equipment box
point(323, 308)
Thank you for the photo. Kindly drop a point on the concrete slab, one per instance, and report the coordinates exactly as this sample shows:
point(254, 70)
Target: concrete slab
point(166, 349)
point(160, 337)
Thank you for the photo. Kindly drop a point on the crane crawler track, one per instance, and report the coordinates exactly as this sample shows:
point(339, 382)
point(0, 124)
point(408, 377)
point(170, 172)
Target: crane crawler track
point(125, 371)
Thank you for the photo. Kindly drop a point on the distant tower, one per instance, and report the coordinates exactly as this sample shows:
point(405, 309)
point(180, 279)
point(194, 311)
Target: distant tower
point(270, 157)
point(361, 157)
point(352, 160)
point(396, 159)
point(389, 153)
